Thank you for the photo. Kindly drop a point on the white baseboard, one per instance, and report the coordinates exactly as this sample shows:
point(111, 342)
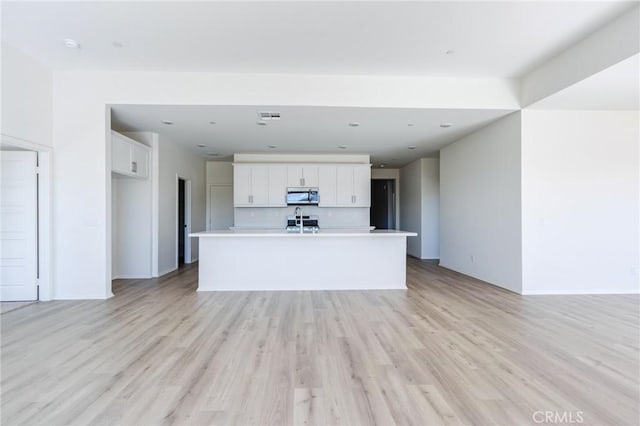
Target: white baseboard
point(82, 296)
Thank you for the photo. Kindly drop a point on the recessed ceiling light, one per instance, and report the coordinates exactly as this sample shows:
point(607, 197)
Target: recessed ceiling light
point(201, 146)
point(167, 122)
point(354, 124)
point(117, 44)
point(342, 147)
point(212, 122)
point(71, 43)
point(273, 146)
point(445, 125)
point(449, 52)
point(411, 147)
point(212, 154)
point(261, 123)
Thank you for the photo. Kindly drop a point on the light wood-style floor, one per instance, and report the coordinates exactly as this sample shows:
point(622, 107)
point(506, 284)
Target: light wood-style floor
point(450, 350)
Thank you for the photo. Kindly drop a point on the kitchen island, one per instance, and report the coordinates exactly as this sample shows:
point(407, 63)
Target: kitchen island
point(257, 260)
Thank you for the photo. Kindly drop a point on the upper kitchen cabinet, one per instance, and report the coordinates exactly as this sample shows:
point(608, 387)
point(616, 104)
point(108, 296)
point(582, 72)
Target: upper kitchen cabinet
point(129, 157)
point(327, 185)
point(345, 185)
point(362, 185)
point(259, 185)
point(302, 175)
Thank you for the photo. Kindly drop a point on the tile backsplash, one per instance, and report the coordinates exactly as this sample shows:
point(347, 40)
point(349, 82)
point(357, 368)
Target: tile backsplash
point(275, 217)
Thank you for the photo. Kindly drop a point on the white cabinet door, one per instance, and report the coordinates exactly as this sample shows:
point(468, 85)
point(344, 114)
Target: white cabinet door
point(18, 222)
point(327, 185)
point(310, 176)
point(302, 175)
point(120, 154)
point(242, 185)
point(129, 157)
point(260, 185)
point(362, 185)
point(344, 185)
point(294, 176)
point(278, 186)
point(139, 161)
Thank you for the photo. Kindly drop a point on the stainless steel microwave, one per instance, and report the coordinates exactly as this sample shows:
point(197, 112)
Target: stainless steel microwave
point(302, 196)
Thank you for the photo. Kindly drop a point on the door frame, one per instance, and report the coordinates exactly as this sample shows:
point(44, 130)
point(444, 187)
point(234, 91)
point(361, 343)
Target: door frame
point(187, 219)
point(44, 236)
point(394, 175)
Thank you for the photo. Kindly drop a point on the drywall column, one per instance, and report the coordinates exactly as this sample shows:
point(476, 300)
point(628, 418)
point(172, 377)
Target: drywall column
point(430, 208)
point(177, 161)
point(480, 207)
point(419, 211)
point(580, 196)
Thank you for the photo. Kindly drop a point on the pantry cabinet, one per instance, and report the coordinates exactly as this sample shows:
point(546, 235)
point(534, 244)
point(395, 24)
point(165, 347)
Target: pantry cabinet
point(345, 185)
point(129, 157)
point(259, 185)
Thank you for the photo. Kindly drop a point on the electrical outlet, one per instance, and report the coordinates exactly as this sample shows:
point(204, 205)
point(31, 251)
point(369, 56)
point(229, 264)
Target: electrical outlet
point(472, 258)
point(633, 271)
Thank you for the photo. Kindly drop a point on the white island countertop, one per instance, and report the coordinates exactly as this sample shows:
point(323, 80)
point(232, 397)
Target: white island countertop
point(321, 233)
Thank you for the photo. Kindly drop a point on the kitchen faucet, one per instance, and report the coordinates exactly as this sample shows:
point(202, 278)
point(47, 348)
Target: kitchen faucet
point(298, 211)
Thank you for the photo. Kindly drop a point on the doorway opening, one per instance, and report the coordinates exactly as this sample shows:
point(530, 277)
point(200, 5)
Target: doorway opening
point(383, 204)
point(183, 221)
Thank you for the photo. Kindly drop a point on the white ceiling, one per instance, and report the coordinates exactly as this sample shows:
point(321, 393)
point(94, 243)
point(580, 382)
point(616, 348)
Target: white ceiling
point(489, 39)
point(383, 133)
point(615, 88)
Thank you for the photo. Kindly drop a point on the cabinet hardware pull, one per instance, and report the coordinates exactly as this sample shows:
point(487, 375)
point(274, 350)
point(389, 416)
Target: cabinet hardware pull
point(134, 167)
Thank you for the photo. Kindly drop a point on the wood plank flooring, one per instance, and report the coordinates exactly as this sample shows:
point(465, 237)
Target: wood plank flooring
point(450, 350)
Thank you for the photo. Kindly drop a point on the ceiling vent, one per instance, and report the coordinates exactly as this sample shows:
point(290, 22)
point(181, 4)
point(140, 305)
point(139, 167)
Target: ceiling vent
point(269, 115)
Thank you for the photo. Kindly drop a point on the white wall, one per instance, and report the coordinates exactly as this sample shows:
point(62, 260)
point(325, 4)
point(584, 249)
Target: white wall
point(219, 173)
point(430, 208)
point(419, 211)
point(411, 205)
point(27, 90)
point(580, 183)
point(131, 227)
point(480, 204)
point(174, 161)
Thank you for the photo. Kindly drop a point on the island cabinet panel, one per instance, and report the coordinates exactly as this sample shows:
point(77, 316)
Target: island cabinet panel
point(259, 185)
point(327, 185)
point(302, 175)
point(262, 260)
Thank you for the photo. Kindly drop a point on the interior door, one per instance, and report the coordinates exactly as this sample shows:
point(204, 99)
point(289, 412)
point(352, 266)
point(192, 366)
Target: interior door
point(220, 207)
point(18, 226)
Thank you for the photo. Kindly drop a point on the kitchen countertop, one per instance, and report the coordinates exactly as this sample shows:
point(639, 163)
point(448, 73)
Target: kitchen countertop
point(321, 233)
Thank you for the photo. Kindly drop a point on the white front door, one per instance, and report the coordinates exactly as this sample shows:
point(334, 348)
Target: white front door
point(18, 226)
